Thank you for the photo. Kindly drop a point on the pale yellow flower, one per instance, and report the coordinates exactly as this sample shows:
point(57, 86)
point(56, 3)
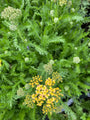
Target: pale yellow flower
point(20, 92)
point(76, 60)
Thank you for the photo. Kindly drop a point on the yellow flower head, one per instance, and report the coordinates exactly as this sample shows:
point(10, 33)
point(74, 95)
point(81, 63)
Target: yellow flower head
point(28, 101)
point(56, 76)
point(0, 63)
point(36, 80)
point(49, 82)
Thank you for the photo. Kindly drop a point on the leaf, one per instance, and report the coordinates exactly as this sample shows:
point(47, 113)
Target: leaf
point(56, 39)
point(6, 64)
point(69, 18)
point(39, 49)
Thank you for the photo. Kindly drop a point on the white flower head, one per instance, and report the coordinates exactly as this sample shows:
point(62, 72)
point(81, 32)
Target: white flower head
point(6, 52)
point(72, 9)
point(11, 14)
point(51, 62)
point(27, 86)
point(75, 48)
point(25, 40)
point(41, 23)
point(20, 92)
point(62, 2)
point(52, 12)
point(89, 44)
point(55, 20)
point(76, 60)
point(9, 33)
point(12, 27)
point(53, 0)
point(26, 59)
point(65, 33)
point(71, 23)
point(66, 88)
point(69, 3)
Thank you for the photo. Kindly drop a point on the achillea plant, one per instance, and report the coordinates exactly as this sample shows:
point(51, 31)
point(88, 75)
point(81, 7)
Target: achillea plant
point(44, 95)
point(48, 29)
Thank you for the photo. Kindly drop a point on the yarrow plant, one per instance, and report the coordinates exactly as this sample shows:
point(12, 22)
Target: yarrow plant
point(45, 95)
point(11, 15)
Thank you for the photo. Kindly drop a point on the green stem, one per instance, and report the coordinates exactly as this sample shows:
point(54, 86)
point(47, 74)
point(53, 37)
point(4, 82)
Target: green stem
point(49, 116)
point(19, 33)
point(44, 117)
point(77, 68)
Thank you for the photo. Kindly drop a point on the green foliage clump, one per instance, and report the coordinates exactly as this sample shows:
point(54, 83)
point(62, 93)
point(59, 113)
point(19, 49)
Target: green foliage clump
point(33, 32)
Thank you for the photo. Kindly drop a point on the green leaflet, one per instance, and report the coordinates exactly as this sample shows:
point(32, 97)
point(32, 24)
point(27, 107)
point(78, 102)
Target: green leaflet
point(68, 18)
point(57, 39)
point(40, 50)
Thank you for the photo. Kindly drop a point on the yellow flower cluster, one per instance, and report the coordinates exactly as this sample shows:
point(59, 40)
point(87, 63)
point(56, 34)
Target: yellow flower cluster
point(50, 82)
point(11, 13)
point(28, 101)
point(56, 76)
point(45, 95)
point(0, 63)
point(35, 81)
point(48, 108)
point(41, 94)
point(54, 98)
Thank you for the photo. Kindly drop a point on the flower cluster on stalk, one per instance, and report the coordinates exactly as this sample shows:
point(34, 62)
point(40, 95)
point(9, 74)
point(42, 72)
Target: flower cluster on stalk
point(48, 67)
point(45, 95)
point(35, 81)
point(20, 92)
point(11, 13)
point(76, 60)
point(61, 2)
